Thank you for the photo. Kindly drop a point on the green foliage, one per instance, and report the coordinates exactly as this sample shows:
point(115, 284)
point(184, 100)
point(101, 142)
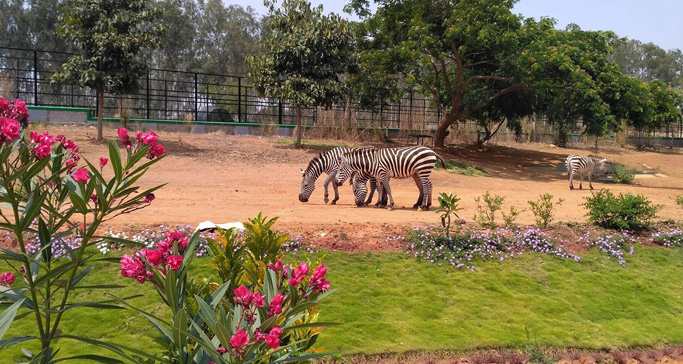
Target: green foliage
point(626, 212)
point(537, 356)
point(622, 174)
point(462, 169)
point(448, 205)
point(542, 209)
point(305, 54)
point(679, 200)
point(486, 212)
point(510, 218)
point(46, 195)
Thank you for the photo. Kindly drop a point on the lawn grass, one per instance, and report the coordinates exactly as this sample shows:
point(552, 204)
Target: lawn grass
point(388, 302)
point(463, 169)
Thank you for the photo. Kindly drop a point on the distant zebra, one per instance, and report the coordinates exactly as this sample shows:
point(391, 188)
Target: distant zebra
point(383, 164)
point(583, 165)
point(326, 162)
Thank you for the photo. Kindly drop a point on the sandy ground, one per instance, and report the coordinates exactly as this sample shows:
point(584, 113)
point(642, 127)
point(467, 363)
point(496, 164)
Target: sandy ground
point(225, 178)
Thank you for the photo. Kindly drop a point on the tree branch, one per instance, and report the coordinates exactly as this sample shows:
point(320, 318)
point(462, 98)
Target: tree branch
point(496, 78)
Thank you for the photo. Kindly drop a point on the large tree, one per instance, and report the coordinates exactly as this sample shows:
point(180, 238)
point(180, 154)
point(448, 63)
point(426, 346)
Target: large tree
point(469, 55)
point(306, 52)
point(114, 36)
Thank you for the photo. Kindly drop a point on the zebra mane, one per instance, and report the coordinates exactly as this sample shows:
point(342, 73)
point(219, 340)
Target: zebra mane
point(313, 161)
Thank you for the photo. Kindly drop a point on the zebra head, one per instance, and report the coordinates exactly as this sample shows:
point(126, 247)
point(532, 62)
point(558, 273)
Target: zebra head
point(601, 164)
point(360, 188)
point(343, 170)
point(307, 186)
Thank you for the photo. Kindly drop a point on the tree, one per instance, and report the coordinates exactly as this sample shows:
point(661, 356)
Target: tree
point(305, 54)
point(468, 54)
point(113, 36)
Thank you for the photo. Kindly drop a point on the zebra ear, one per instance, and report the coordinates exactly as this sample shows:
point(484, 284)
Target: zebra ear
point(303, 172)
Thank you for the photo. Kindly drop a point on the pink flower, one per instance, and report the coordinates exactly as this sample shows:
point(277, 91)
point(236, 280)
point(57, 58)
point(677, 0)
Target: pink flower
point(150, 138)
point(4, 104)
point(318, 281)
point(259, 336)
point(7, 278)
point(175, 261)
point(11, 129)
point(149, 198)
point(277, 331)
point(34, 136)
point(277, 266)
point(154, 256)
point(133, 268)
point(60, 138)
point(46, 139)
point(221, 350)
point(69, 145)
point(275, 306)
point(138, 136)
point(93, 198)
point(175, 235)
point(81, 175)
point(273, 341)
point(103, 162)
point(239, 340)
point(155, 151)
point(43, 151)
point(299, 274)
point(242, 296)
point(71, 164)
point(123, 134)
point(20, 109)
point(258, 299)
point(163, 246)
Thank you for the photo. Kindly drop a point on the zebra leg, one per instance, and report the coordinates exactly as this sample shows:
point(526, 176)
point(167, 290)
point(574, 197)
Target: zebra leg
point(385, 183)
point(329, 179)
point(428, 193)
point(373, 187)
point(380, 193)
point(418, 183)
point(571, 180)
point(590, 179)
point(581, 183)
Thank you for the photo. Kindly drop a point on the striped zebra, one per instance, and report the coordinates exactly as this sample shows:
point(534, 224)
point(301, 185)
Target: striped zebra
point(326, 163)
point(383, 164)
point(583, 165)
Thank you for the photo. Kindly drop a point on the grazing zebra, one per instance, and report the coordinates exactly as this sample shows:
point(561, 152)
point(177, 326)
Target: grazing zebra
point(326, 162)
point(415, 162)
point(583, 165)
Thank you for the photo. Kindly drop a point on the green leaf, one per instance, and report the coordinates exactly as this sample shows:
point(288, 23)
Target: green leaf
point(81, 275)
point(16, 295)
point(118, 349)
point(313, 324)
point(55, 273)
point(115, 159)
point(97, 358)
point(7, 316)
point(223, 335)
point(15, 340)
point(179, 333)
point(79, 203)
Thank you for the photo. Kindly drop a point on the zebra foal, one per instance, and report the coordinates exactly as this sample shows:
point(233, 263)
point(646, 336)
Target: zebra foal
point(327, 162)
point(584, 165)
point(383, 164)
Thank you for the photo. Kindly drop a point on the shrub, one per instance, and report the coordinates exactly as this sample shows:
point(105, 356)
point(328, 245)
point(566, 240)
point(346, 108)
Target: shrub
point(622, 174)
point(486, 214)
point(624, 212)
point(679, 200)
point(448, 205)
point(42, 183)
point(543, 209)
point(512, 216)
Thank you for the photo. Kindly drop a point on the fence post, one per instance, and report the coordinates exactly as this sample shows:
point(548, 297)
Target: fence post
point(166, 99)
point(35, 77)
point(279, 111)
point(239, 99)
point(148, 94)
point(196, 109)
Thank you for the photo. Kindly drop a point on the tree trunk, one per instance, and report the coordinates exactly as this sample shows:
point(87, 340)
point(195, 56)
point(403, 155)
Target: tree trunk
point(299, 128)
point(100, 109)
point(442, 130)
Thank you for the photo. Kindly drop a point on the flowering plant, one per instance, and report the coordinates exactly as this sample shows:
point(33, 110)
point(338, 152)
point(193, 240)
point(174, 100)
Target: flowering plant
point(47, 194)
point(257, 320)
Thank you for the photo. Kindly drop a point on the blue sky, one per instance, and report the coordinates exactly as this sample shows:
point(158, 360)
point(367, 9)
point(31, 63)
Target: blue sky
point(656, 21)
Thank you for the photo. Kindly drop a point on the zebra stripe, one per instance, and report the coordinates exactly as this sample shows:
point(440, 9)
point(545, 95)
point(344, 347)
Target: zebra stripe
point(583, 165)
point(325, 163)
point(383, 164)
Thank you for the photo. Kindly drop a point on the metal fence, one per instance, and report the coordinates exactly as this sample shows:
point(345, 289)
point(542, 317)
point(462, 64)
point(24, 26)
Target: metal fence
point(179, 95)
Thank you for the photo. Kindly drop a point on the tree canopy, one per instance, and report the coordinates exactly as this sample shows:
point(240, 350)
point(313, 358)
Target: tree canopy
point(114, 36)
point(306, 53)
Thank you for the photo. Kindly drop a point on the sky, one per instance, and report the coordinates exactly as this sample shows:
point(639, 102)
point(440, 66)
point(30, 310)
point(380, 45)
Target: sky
point(656, 21)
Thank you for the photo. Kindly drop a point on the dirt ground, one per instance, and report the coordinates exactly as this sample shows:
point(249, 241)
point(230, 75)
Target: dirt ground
point(225, 178)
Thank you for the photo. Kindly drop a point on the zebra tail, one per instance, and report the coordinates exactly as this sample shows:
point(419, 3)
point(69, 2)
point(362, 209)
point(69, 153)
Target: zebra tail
point(443, 163)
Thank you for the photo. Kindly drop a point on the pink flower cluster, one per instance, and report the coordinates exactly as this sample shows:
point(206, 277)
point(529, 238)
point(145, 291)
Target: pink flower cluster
point(41, 147)
point(10, 128)
point(7, 278)
point(240, 339)
point(150, 138)
point(296, 275)
point(160, 259)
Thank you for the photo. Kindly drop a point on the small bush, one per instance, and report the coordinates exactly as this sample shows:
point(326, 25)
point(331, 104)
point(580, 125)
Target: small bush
point(543, 209)
point(622, 174)
point(485, 215)
point(448, 205)
point(679, 200)
point(624, 212)
point(512, 216)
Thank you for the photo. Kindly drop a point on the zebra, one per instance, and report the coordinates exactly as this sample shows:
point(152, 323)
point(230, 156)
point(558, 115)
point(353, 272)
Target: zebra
point(416, 162)
point(326, 162)
point(583, 165)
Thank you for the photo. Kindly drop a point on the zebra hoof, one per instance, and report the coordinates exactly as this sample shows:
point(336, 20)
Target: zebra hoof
point(334, 202)
point(416, 206)
point(571, 188)
point(327, 200)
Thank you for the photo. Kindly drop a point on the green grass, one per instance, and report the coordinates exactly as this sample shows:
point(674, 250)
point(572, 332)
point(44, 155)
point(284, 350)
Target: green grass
point(463, 169)
point(388, 302)
point(315, 145)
